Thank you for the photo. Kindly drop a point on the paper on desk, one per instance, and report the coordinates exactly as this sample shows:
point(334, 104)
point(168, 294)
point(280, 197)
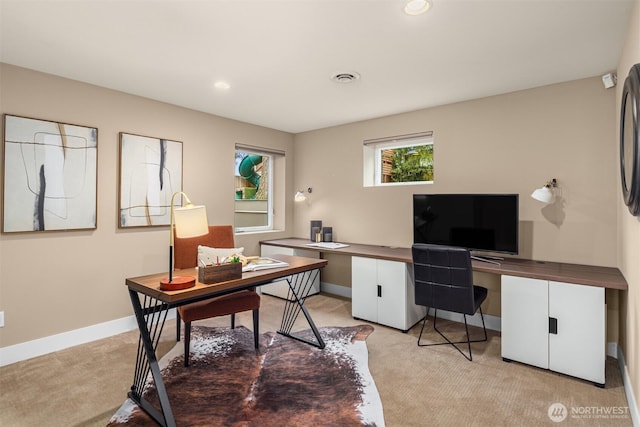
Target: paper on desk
point(328, 245)
point(263, 263)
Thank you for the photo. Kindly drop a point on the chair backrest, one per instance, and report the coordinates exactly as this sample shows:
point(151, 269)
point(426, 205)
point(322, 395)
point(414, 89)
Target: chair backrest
point(185, 251)
point(443, 277)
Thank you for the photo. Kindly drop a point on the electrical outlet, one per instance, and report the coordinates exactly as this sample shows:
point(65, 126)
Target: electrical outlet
point(1, 319)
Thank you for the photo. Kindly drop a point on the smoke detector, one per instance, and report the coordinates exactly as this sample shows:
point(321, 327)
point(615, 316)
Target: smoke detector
point(343, 78)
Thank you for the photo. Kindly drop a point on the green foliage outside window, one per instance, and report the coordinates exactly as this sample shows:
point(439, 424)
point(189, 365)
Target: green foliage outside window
point(410, 164)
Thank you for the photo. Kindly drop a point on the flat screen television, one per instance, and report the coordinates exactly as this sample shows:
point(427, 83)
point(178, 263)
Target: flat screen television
point(479, 222)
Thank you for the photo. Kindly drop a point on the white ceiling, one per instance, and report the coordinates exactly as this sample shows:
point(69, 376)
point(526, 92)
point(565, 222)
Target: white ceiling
point(279, 56)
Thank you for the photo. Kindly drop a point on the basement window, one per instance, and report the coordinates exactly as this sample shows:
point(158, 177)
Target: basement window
point(400, 160)
point(254, 201)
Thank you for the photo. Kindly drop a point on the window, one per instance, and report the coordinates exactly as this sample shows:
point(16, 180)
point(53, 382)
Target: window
point(254, 188)
point(399, 160)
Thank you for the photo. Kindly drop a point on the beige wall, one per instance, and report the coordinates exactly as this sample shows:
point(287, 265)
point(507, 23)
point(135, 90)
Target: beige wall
point(511, 143)
point(60, 281)
point(629, 229)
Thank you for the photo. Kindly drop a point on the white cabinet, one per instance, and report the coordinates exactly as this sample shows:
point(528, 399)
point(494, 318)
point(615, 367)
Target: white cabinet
point(382, 291)
point(554, 325)
point(525, 320)
point(281, 288)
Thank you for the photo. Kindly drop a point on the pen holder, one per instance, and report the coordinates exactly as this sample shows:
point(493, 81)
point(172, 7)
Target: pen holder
point(220, 273)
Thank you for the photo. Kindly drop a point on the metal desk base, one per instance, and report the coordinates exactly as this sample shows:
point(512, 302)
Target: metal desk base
point(151, 315)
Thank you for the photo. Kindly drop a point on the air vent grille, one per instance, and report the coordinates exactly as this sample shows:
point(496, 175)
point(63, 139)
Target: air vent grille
point(343, 78)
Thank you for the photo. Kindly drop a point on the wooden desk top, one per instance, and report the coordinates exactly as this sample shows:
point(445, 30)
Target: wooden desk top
point(150, 285)
point(607, 277)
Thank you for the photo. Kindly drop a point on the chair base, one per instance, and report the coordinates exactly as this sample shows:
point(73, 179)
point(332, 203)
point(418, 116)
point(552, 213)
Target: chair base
point(453, 343)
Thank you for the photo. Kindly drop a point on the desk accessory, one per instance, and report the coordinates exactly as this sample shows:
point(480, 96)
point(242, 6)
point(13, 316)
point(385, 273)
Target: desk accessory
point(261, 263)
point(316, 227)
point(188, 221)
point(219, 272)
point(327, 234)
point(328, 245)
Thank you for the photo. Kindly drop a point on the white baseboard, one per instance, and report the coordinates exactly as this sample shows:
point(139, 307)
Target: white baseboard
point(330, 288)
point(491, 322)
point(628, 389)
point(612, 349)
point(42, 346)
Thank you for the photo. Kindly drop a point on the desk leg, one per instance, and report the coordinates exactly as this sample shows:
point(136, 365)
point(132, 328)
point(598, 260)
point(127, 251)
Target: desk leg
point(151, 316)
point(299, 287)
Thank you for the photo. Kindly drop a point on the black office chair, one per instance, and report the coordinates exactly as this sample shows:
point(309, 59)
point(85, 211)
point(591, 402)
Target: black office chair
point(444, 281)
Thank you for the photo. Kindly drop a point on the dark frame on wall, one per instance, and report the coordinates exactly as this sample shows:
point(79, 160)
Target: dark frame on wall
point(630, 141)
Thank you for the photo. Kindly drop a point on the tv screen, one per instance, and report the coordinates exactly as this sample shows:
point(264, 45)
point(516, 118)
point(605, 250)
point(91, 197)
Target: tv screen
point(480, 222)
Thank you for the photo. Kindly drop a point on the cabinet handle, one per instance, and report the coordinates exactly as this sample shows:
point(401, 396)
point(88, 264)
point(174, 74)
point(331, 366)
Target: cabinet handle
point(379, 291)
point(553, 325)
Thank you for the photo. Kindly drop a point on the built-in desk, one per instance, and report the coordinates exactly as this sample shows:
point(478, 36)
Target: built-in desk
point(606, 277)
point(553, 315)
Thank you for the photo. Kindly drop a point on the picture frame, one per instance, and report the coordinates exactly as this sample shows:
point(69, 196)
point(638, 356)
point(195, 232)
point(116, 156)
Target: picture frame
point(50, 175)
point(150, 173)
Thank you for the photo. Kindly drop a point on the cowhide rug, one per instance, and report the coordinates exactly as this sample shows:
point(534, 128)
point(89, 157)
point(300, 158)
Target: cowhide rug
point(289, 383)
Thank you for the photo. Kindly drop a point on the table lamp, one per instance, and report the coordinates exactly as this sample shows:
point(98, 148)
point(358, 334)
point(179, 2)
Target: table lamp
point(189, 221)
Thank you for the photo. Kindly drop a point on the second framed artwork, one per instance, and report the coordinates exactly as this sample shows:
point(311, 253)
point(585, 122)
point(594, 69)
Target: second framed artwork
point(150, 172)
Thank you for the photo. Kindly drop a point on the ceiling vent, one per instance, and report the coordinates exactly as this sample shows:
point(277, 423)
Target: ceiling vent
point(345, 77)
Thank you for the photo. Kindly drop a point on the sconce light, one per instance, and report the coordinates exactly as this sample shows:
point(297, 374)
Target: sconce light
point(300, 196)
point(188, 221)
point(545, 194)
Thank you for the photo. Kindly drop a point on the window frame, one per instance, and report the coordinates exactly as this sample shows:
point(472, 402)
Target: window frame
point(271, 154)
point(372, 155)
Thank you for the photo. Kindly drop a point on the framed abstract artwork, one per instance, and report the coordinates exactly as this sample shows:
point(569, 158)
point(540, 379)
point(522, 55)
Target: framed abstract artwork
point(50, 176)
point(150, 172)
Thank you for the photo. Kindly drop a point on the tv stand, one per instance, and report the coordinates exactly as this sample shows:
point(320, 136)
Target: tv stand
point(490, 259)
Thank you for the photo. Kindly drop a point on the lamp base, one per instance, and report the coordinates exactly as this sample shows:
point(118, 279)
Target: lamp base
point(178, 282)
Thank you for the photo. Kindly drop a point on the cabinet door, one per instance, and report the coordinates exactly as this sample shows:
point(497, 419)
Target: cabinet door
point(364, 290)
point(578, 348)
point(525, 320)
point(392, 303)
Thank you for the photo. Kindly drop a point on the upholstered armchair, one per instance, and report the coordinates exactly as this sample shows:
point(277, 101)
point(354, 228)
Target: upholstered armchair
point(186, 256)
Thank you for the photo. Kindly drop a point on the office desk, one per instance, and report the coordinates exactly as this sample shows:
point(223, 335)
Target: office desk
point(606, 277)
point(151, 305)
point(553, 315)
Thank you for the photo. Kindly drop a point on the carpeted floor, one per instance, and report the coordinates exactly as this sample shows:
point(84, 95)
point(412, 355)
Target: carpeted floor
point(83, 386)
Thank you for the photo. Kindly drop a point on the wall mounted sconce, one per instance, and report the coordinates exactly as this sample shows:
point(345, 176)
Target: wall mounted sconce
point(546, 194)
point(189, 221)
point(300, 196)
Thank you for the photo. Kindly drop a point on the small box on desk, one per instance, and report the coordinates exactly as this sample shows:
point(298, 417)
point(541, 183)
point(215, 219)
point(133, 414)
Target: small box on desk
point(220, 273)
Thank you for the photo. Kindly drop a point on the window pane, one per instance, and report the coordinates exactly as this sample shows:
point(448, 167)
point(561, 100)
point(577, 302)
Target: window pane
point(406, 164)
point(252, 188)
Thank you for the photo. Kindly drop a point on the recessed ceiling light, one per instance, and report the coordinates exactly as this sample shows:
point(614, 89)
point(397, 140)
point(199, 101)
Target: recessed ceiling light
point(416, 7)
point(347, 77)
point(222, 85)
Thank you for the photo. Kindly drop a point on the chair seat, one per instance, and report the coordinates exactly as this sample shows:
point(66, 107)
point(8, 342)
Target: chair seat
point(220, 306)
